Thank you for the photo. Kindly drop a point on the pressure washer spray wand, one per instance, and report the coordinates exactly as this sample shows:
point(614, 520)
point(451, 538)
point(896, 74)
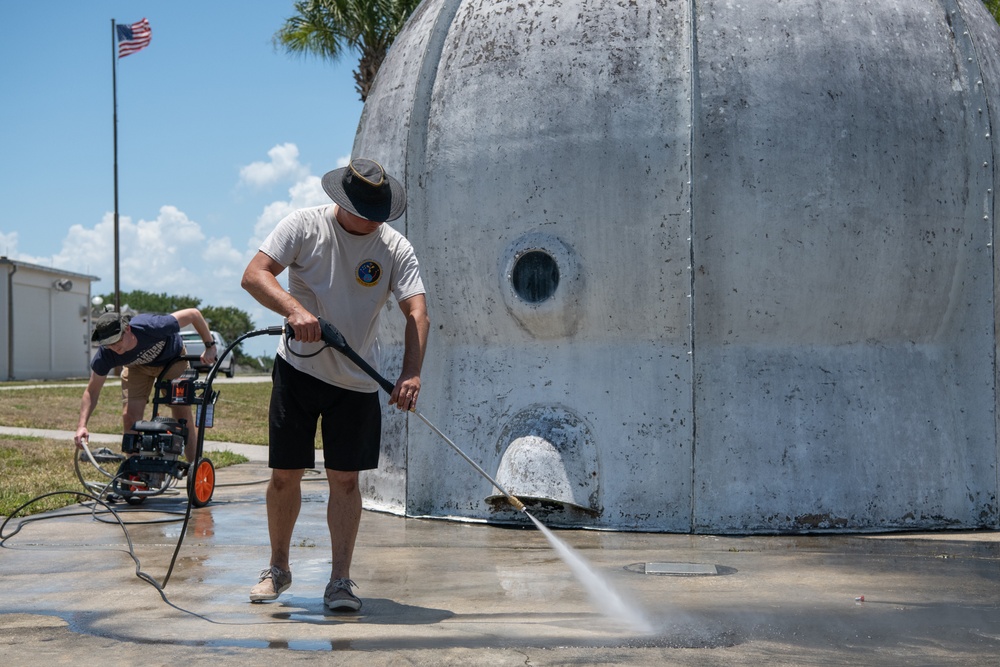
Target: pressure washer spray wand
point(333, 338)
point(518, 505)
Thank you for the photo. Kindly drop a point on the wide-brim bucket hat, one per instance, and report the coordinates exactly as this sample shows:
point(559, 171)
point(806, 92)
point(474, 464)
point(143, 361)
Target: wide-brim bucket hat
point(110, 328)
point(365, 189)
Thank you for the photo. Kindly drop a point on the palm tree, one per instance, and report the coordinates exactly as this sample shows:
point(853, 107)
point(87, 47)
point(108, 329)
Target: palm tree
point(333, 28)
point(994, 7)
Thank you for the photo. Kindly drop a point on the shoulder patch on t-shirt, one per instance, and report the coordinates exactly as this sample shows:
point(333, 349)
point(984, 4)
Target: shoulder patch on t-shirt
point(368, 273)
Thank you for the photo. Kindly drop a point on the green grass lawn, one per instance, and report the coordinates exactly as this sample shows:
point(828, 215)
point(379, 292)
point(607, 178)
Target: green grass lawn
point(240, 412)
point(30, 467)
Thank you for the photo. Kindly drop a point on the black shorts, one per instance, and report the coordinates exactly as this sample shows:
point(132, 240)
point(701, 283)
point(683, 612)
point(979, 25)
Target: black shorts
point(351, 423)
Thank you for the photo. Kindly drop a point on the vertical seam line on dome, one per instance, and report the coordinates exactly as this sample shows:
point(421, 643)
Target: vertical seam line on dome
point(992, 246)
point(692, 130)
point(415, 150)
point(992, 213)
point(955, 8)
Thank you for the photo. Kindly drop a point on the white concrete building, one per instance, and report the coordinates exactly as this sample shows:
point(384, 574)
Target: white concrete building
point(46, 314)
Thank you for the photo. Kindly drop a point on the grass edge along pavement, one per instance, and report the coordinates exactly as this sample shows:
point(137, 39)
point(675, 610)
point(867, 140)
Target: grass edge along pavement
point(240, 411)
point(31, 467)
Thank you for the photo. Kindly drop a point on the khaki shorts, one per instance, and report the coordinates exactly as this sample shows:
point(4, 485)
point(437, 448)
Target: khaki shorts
point(138, 381)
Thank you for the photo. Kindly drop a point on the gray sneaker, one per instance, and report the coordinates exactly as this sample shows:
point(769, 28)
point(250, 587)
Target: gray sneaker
point(273, 582)
point(338, 596)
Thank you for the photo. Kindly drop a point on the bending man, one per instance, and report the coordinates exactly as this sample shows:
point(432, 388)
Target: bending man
point(142, 345)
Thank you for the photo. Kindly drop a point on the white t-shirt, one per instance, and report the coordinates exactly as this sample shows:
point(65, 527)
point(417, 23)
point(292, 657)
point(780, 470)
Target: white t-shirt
point(344, 279)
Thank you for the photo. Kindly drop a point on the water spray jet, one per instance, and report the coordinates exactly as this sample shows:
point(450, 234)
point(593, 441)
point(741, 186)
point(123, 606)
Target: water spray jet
point(603, 596)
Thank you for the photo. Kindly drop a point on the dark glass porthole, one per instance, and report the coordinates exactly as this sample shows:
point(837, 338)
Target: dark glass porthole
point(535, 276)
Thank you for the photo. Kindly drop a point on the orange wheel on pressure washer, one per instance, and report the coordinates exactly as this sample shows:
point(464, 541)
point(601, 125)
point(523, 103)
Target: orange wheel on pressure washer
point(202, 483)
point(141, 486)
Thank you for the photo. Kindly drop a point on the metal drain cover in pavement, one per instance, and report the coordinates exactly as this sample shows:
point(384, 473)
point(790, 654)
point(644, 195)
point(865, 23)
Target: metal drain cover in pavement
point(681, 568)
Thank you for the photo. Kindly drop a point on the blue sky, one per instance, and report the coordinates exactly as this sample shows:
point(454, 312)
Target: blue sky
point(219, 135)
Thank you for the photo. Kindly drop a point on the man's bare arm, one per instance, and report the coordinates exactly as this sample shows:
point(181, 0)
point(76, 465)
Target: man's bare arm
point(260, 280)
point(418, 325)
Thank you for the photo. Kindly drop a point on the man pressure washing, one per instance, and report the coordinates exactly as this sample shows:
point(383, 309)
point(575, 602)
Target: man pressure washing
point(343, 263)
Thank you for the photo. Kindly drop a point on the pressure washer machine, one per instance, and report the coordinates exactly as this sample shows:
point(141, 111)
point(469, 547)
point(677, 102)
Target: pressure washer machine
point(152, 454)
point(150, 462)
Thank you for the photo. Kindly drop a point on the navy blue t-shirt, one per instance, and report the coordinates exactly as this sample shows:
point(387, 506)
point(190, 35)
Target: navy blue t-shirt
point(159, 341)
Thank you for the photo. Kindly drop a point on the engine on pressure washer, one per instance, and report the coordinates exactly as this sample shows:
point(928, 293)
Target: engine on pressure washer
point(160, 437)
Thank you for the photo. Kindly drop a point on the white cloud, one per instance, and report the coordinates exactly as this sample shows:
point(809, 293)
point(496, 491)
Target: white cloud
point(172, 253)
point(222, 251)
point(284, 165)
point(8, 244)
point(307, 192)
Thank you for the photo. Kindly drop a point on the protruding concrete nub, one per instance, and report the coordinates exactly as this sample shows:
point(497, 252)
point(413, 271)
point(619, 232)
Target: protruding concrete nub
point(549, 460)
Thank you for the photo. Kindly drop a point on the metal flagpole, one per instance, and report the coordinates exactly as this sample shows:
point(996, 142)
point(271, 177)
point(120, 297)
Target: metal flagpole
point(114, 95)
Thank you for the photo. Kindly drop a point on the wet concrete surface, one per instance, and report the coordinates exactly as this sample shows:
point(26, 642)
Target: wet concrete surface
point(443, 593)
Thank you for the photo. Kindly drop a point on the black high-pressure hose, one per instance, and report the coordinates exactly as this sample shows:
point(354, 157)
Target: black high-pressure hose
point(202, 418)
point(271, 331)
point(333, 338)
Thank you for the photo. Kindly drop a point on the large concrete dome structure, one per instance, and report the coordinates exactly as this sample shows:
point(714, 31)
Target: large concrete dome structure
point(699, 265)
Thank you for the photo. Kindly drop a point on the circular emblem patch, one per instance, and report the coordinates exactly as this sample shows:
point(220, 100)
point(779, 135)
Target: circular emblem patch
point(368, 273)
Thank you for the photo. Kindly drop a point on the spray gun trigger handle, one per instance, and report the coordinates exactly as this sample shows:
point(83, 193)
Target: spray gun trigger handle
point(328, 333)
point(332, 336)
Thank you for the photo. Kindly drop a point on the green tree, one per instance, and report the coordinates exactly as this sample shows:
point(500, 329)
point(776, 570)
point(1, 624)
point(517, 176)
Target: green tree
point(147, 302)
point(332, 28)
point(994, 7)
point(229, 321)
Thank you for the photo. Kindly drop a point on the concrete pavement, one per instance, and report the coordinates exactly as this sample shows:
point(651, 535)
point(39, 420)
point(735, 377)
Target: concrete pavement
point(444, 593)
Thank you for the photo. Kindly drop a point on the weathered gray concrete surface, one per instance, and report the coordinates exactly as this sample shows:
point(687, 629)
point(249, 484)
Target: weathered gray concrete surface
point(844, 298)
point(445, 593)
point(772, 224)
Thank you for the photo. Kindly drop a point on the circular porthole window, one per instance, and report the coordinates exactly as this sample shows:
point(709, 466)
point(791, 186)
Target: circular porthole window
point(540, 280)
point(535, 276)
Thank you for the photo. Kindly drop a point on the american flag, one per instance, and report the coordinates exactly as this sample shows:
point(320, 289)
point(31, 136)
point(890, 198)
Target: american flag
point(132, 38)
